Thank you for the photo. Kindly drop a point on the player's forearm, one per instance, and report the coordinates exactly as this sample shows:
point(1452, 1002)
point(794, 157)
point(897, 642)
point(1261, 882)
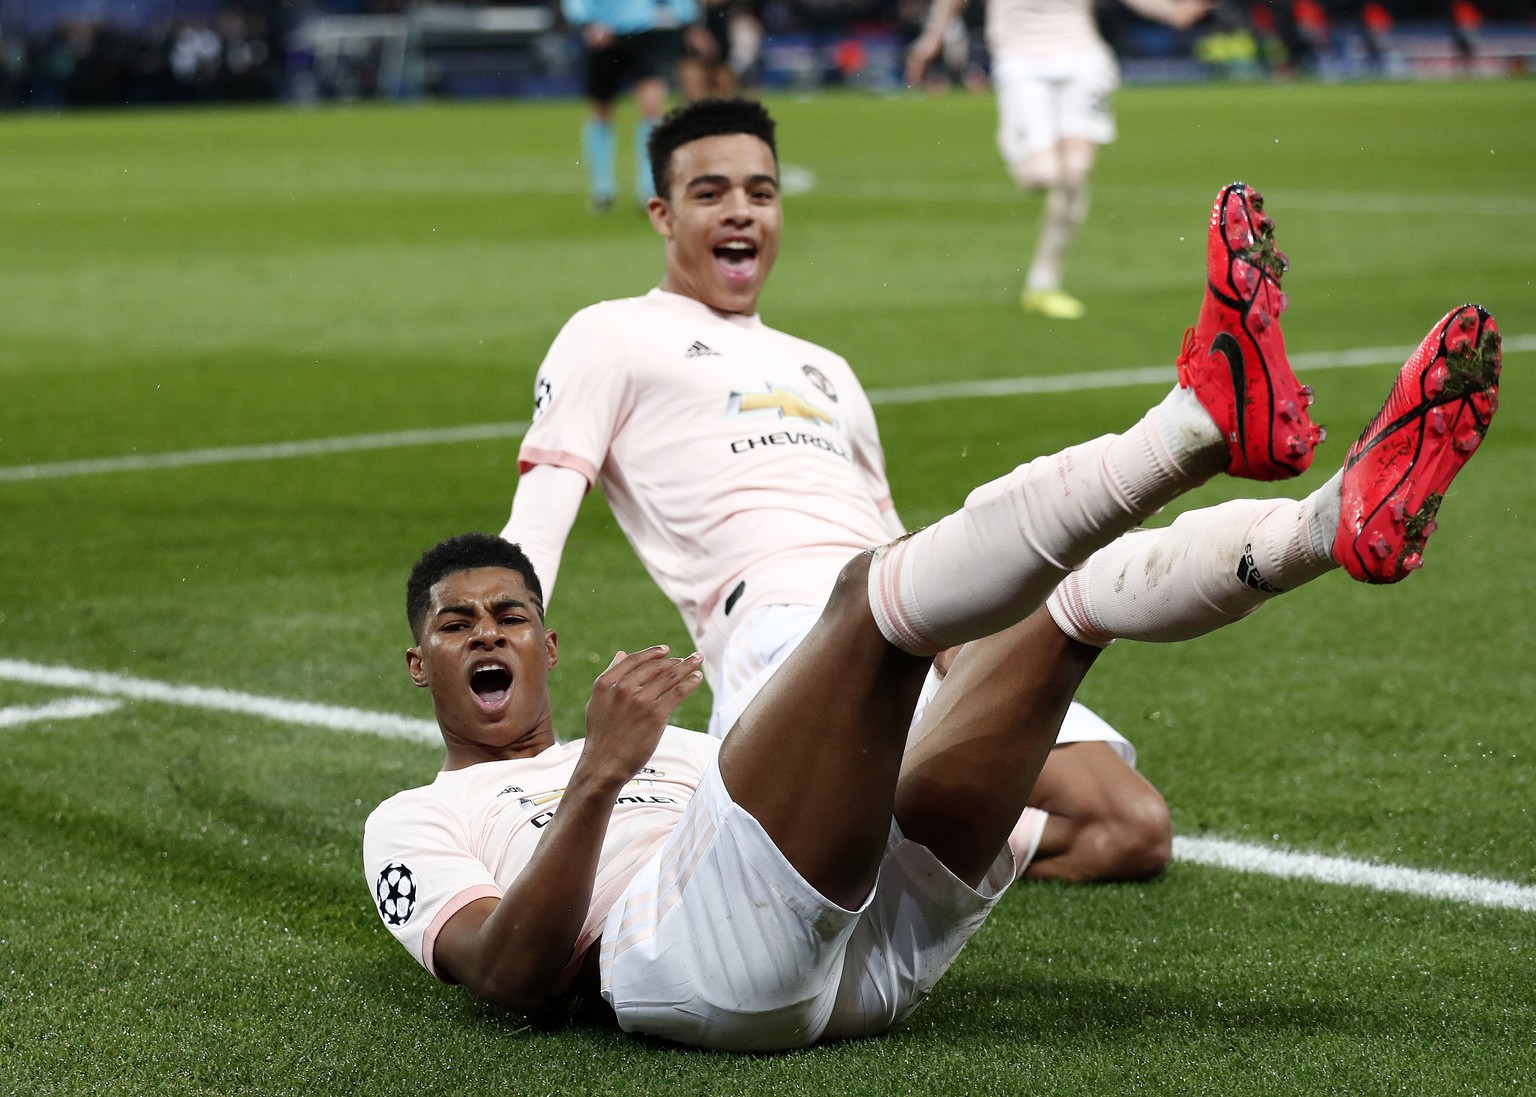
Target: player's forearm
point(526, 944)
point(940, 14)
point(1176, 13)
point(544, 509)
point(517, 955)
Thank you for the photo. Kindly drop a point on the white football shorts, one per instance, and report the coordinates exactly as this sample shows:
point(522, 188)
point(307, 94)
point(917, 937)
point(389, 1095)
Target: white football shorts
point(718, 942)
point(764, 639)
point(1040, 100)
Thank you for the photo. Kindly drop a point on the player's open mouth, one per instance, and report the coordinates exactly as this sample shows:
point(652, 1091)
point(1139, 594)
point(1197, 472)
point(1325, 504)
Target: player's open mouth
point(737, 259)
point(491, 683)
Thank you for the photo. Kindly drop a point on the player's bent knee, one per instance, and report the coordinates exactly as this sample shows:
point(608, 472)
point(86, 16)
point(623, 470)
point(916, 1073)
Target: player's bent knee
point(1033, 176)
point(1136, 841)
point(850, 595)
point(1076, 155)
point(1037, 171)
point(849, 611)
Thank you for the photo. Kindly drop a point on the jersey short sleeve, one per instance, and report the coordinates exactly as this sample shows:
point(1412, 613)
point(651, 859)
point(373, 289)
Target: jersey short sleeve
point(420, 864)
point(579, 399)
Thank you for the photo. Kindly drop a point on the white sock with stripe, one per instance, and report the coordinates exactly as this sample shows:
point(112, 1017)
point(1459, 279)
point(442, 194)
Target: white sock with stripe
point(1209, 568)
point(994, 561)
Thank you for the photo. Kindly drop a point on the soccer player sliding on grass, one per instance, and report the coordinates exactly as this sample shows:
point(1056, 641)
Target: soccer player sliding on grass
point(813, 875)
point(745, 467)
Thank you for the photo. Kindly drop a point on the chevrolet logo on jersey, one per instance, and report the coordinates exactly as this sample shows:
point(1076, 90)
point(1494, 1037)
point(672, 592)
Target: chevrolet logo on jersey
point(541, 798)
point(787, 402)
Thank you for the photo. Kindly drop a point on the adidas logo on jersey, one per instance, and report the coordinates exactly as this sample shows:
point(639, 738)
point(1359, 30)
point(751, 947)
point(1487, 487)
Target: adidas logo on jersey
point(699, 350)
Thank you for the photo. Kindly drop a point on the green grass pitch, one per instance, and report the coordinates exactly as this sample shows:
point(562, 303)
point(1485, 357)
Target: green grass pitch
point(182, 908)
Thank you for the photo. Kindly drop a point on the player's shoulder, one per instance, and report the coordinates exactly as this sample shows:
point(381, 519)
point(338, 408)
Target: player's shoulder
point(400, 815)
point(604, 313)
point(594, 338)
point(404, 806)
point(805, 347)
point(620, 321)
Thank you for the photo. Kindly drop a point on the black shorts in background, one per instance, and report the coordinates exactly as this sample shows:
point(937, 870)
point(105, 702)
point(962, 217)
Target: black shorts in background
point(630, 58)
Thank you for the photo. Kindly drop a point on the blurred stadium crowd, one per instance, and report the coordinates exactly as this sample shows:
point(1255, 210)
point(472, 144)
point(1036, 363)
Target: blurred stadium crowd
point(104, 53)
point(70, 54)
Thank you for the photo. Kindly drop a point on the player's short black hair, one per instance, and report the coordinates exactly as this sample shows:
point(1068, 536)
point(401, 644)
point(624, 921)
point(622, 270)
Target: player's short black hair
point(705, 118)
point(464, 553)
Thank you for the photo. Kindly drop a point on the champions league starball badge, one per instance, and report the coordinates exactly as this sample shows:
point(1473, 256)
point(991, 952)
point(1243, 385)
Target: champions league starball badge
point(395, 890)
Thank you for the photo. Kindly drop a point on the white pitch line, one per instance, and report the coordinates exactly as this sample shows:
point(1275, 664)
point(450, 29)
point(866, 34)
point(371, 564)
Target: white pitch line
point(271, 451)
point(1288, 864)
point(305, 713)
point(1146, 375)
point(478, 432)
point(70, 708)
point(1236, 856)
point(1375, 203)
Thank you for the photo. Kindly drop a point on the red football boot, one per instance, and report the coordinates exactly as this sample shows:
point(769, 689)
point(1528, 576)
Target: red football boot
point(1234, 356)
point(1435, 417)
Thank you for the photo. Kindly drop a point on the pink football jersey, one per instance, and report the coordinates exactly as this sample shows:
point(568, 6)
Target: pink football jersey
point(1040, 28)
point(429, 852)
point(732, 455)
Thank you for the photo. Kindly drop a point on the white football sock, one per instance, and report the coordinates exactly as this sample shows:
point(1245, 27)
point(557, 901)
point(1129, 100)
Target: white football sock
point(994, 561)
point(1209, 568)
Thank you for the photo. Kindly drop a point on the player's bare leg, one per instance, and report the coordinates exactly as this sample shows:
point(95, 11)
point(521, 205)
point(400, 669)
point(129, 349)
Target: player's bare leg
point(979, 747)
point(843, 700)
point(693, 78)
point(1094, 819)
point(845, 696)
point(1062, 173)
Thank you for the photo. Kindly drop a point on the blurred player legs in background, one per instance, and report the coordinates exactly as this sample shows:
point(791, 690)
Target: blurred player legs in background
point(1053, 75)
point(706, 66)
point(629, 43)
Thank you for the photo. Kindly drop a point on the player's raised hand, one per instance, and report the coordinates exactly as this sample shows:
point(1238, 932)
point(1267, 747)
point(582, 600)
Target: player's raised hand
point(1189, 12)
point(701, 42)
point(632, 701)
point(1176, 13)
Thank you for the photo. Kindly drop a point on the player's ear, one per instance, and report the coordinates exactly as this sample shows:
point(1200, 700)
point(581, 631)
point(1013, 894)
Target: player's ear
point(414, 664)
point(660, 213)
point(552, 648)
